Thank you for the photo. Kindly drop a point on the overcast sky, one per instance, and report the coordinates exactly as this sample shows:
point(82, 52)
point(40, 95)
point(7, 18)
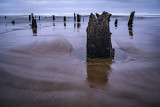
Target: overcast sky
point(67, 7)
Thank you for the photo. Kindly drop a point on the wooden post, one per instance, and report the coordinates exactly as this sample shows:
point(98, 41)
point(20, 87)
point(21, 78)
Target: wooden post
point(32, 15)
point(53, 17)
point(74, 17)
point(34, 23)
point(64, 18)
point(29, 17)
point(116, 22)
point(99, 37)
point(13, 22)
point(130, 22)
point(78, 18)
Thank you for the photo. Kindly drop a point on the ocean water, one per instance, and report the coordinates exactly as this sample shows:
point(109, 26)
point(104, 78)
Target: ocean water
point(48, 66)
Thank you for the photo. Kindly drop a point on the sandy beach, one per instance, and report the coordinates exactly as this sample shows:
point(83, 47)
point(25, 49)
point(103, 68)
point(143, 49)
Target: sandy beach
point(51, 68)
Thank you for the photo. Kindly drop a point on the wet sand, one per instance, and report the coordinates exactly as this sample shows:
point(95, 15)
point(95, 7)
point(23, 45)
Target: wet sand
point(53, 71)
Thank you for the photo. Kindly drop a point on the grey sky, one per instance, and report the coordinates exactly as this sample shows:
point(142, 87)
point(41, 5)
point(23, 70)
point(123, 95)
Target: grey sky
point(67, 7)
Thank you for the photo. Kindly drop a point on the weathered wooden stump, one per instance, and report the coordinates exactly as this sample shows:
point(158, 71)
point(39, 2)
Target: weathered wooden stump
point(34, 23)
point(13, 22)
point(98, 15)
point(130, 22)
point(29, 17)
point(99, 37)
point(64, 18)
point(53, 17)
point(32, 16)
point(74, 17)
point(116, 22)
point(5, 17)
point(78, 18)
point(39, 17)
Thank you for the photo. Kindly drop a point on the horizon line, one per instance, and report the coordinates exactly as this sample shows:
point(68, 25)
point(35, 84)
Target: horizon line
point(84, 14)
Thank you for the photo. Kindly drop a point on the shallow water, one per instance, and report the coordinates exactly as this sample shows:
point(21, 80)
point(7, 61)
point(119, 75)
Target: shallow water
point(49, 67)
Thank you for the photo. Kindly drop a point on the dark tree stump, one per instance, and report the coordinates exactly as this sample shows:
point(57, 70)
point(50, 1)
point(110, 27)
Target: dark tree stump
point(116, 22)
point(130, 22)
point(13, 22)
point(99, 37)
point(64, 18)
point(74, 17)
point(53, 17)
point(78, 18)
point(34, 23)
point(29, 17)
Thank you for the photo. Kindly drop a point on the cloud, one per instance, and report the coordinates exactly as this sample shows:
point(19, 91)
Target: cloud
point(50, 2)
point(79, 6)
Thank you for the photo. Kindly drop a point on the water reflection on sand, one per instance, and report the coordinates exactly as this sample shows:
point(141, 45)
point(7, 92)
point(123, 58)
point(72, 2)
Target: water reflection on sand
point(34, 30)
point(98, 72)
point(130, 31)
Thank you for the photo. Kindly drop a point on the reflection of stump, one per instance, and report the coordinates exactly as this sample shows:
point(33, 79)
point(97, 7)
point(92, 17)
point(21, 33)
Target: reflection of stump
point(130, 22)
point(78, 25)
point(74, 17)
point(64, 18)
point(53, 24)
point(99, 37)
point(64, 24)
point(98, 71)
point(78, 18)
point(34, 30)
point(130, 30)
point(74, 25)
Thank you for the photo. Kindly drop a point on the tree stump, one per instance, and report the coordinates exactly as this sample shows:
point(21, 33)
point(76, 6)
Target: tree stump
point(99, 37)
point(78, 18)
point(130, 22)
